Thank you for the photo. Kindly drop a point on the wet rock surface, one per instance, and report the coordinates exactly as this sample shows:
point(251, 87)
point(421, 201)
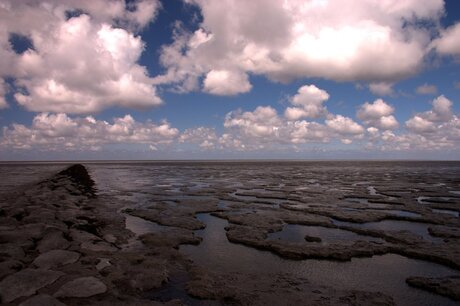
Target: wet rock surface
point(55, 258)
point(82, 287)
point(42, 300)
point(26, 283)
point(53, 235)
point(73, 226)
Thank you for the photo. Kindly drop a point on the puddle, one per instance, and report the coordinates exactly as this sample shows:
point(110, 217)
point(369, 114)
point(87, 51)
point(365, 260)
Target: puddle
point(296, 233)
point(446, 211)
point(385, 273)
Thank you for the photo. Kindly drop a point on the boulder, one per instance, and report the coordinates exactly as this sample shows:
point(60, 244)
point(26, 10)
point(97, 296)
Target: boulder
point(42, 300)
point(55, 258)
point(26, 283)
point(52, 241)
point(82, 287)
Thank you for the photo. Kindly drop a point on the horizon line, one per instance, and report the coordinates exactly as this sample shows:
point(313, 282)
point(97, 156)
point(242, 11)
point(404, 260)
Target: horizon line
point(224, 160)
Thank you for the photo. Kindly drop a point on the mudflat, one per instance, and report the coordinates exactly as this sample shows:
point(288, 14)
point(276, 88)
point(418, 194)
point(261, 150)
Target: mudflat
point(288, 233)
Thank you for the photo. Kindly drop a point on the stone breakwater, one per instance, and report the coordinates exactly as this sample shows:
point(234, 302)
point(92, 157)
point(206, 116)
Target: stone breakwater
point(62, 243)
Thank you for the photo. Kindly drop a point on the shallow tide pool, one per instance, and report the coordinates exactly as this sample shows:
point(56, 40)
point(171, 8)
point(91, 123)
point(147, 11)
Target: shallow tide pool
point(386, 273)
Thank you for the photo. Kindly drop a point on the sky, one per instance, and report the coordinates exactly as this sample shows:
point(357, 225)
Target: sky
point(229, 79)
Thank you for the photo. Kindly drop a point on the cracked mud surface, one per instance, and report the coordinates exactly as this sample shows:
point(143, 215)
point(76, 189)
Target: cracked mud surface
point(232, 233)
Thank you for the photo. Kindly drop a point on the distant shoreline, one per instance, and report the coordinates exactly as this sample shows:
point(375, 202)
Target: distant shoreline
point(140, 161)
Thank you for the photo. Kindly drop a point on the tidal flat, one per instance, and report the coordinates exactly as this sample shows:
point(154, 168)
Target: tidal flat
point(230, 233)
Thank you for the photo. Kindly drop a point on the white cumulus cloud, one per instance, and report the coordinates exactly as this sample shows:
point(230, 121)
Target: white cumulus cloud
point(449, 42)
point(436, 122)
point(262, 122)
point(3, 103)
point(226, 83)
point(426, 89)
point(378, 114)
point(308, 103)
point(378, 42)
point(344, 125)
point(60, 132)
point(381, 89)
point(81, 64)
point(419, 124)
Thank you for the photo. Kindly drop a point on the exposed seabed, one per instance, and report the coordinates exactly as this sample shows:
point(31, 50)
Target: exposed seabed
point(219, 234)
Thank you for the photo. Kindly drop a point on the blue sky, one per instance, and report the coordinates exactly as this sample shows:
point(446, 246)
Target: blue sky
point(202, 79)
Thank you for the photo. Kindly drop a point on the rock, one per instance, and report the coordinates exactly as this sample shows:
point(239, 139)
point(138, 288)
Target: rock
point(9, 267)
point(448, 286)
point(88, 225)
point(79, 175)
point(36, 231)
point(53, 240)
point(40, 215)
point(26, 283)
point(82, 287)
point(103, 263)
point(110, 238)
point(11, 235)
point(82, 236)
point(10, 250)
point(132, 273)
point(42, 300)
point(55, 258)
point(99, 246)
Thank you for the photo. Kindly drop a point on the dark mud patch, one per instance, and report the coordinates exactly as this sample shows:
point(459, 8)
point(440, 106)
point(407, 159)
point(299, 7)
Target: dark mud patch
point(388, 226)
point(297, 234)
point(448, 286)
